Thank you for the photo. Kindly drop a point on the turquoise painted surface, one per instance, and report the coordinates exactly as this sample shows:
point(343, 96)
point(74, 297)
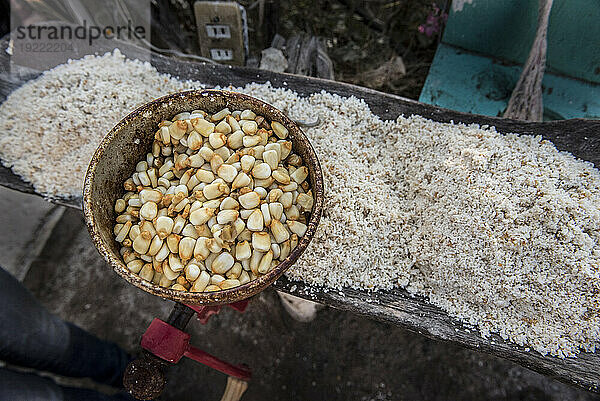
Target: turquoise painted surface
point(463, 81)
point(505, 29)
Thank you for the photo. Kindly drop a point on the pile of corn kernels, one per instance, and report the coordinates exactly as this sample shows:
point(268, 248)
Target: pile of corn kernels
point(220, 201)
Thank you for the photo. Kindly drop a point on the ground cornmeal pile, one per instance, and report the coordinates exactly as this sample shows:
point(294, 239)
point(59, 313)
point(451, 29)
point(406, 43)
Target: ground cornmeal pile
point(500, 231)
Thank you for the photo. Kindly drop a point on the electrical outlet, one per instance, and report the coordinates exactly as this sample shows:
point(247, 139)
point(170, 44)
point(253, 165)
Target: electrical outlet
point(221, 54)
point(218, 31)
point(222, 31)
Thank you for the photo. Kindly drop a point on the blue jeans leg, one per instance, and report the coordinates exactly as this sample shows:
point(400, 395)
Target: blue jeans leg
point(32, 337)
point(19, 386)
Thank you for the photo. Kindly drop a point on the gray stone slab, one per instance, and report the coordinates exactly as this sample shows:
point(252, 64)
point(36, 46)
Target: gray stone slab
point(338, 356)
point(26, 222)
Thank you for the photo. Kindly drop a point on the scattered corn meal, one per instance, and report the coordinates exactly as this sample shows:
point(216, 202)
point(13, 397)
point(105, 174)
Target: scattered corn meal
point(219, 201)
point(501, 231)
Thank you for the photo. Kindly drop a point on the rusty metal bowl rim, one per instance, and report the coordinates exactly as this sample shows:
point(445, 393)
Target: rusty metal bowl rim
point(217, 297)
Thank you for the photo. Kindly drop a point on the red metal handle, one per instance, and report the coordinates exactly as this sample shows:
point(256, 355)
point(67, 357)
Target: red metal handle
point(239, 371)
point(170, 344)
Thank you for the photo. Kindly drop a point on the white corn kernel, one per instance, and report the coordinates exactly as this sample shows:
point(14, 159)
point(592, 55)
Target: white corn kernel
point(224, 152)
point(233, 123)
point(163, 253)
point(247, 163)
point(242, 250)
point(236, 140)
point(305, 201)
point(286, 200)
point(235, 271)
point(247, 115)
point(261, 192)
point(122, 234)
point(220, 115)
point(250, 140)
point(135, 265)
point(186, 248)
point(244, 278)
point(292, 186)
point(255, 260)
point(249, 200)
point(201, 282)
point(215, 190)
point(271, 158)
point(201, 251)
point(223, 127)
point(201, 216)
point(206, 153)
point(148, 210)
point(276, 210)
point(169, 273)
point(274, 195)
point(120, 205)
point(292, 213)
point(229, 283)
point(261, 241)
point(240, 181)
point(175, 263)
point(279, 231)
point(202, 126)
point(300, 174)
point(296, 227)
point(261, 171)
point(249, 127)
point(264, 209)
point(276, 251)
point(164, 226)
point(205, 176)
point(135, 202)
point(266, 183)
point(216, 279)
point(215, 162)
point(178, 129)
point(213, 203)
point(227, 172)
point(192, 272)
point(279, 130)
point(281, 176)
point(141, 166)
point(229, 203)
point(222, 263)
point(147, 272)
point(142, 242)
point(195, 140)
point(150, 195)
point(255, 221)
point(265, 262)
point(134, 232)
point(178, 224)
point(178, 287)
point(217, 139)
point(173, 242)
point(286, 149)
point(227, 216)
point(285, 250)
point(165, 137)
point(155, 245)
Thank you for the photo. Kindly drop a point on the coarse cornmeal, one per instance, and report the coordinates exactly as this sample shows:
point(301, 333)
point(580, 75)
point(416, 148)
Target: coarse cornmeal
point(501, 231)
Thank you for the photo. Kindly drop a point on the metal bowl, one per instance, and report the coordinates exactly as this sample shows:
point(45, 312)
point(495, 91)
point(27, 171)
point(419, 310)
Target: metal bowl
point(131, 139)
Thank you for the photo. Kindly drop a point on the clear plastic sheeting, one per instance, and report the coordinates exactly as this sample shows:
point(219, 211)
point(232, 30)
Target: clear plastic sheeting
point(46, 34)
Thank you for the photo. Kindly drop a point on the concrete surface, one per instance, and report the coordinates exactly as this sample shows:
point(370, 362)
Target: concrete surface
point(26, 223)
point(338, 356)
